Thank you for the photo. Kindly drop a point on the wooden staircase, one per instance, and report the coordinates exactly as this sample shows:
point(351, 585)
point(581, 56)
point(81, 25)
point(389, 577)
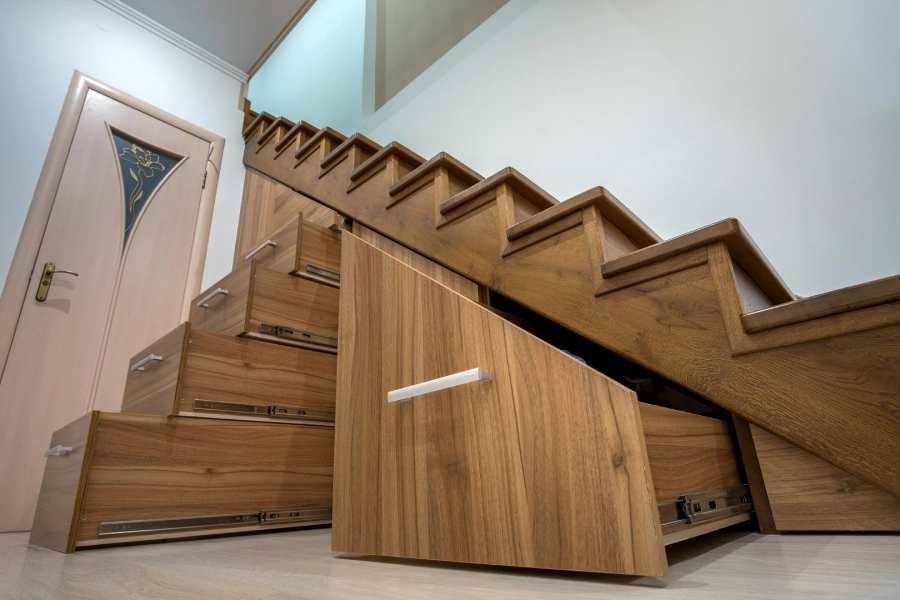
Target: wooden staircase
point(705, 309)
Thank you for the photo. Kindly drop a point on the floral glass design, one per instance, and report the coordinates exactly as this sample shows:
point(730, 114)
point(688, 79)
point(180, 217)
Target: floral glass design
point(142, 172)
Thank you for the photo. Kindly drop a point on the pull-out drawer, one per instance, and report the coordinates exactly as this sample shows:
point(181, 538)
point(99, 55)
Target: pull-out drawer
point(259, 303)
point(303, 249)
point(541, 464)
point(112, 478)
point(190, 372)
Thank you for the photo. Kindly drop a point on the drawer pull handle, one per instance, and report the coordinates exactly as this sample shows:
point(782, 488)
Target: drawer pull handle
point(441, 383)
point(139, 366)
point(58, 451)
point(260, 249)
point(205, 302)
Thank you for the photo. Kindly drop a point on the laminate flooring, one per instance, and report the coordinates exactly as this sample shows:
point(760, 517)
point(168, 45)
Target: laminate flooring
point(300, 564)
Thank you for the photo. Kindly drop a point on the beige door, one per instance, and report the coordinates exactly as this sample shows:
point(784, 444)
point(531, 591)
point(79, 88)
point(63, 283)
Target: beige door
point(124, 218)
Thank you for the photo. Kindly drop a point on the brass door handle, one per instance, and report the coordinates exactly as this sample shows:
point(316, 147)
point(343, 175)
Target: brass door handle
point(47, 278)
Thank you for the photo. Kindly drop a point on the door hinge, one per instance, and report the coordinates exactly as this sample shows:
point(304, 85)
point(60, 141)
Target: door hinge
point(204, 180)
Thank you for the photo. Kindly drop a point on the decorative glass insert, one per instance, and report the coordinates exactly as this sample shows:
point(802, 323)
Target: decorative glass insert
point(142, 172)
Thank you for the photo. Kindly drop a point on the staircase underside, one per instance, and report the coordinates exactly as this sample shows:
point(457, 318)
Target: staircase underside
point(705, 309)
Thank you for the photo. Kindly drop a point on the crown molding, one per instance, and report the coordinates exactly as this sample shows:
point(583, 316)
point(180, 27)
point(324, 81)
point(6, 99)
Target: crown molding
point(173, 38)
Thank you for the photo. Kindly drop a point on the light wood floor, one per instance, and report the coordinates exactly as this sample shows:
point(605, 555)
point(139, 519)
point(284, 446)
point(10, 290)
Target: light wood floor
point(299, 564)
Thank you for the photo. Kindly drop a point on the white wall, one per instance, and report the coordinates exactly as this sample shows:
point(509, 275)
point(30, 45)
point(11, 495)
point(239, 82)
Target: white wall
point(316, 73)
point(43, 42)
point(785, 115)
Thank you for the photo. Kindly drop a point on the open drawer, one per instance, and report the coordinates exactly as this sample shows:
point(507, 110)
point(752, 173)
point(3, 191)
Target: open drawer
point(259, 303)
point(547, 463)
point(190, 372)
point(303, 249)
point(113, 478)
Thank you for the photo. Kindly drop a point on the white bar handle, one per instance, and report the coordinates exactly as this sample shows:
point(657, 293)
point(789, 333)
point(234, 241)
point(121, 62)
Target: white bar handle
point(442, 383)
point(139, 366)
point(205, 302)
point(58, 451)
point(261, 246)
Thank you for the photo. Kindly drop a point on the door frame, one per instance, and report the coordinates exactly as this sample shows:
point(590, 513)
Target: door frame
point(18, 280)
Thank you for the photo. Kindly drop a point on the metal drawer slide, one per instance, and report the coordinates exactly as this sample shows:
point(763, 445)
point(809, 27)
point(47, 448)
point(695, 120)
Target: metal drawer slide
point(705, 506)
point(298, 515)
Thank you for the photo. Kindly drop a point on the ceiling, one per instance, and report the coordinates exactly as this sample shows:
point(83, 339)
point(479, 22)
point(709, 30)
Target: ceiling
point(236, 31)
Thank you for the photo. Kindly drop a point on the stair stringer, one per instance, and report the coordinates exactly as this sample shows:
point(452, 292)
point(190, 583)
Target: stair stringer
point(830, 385)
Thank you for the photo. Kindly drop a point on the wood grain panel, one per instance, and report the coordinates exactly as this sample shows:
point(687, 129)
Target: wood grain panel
point(149, 467)
point(241, 370)
point(426, 266)
point(544, 466)
point(227, 314)
point(155, 390)
point(688, 454)
point(280, 299)
point(808, 494)
point(268, 205)
point(62, 489)
point(761, 506)
point(299, 243)
point(828, 385)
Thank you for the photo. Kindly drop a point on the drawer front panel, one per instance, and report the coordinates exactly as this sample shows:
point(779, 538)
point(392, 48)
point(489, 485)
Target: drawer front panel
point(225, 313)
point(688, 454)
point(62, 489)
point(237, 370)
point(319, 257)
point(295, 303)
point(152, 387)
point(544, 466)
point(301, 248)
point(150, 467)
point(283, 255)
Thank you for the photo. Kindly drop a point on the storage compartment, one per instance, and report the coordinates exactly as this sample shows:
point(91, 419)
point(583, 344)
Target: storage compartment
point(547, 463)
point(113, 478)
point(190, 372)
point(259, 303)
point(303, 249)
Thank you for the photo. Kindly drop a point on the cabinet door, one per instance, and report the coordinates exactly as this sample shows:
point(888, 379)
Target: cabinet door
point(543, 466)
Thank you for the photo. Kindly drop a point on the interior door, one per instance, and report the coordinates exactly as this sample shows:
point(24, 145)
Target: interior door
point(543, 466)
point(124, 219)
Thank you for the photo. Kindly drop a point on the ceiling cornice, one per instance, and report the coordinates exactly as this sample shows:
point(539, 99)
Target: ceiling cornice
point(170, 36)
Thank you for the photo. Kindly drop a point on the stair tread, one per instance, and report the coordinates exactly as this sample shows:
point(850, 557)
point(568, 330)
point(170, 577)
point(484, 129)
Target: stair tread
point(325, 132)
point(520, 183)
point(262, 117)
point(864, 295)
point(610, 207)
point(441, 159)
point(357, 139)
point(301, 126)
point(393, 148)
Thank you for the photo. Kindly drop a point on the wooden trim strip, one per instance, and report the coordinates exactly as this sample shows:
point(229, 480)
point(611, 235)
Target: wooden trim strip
point(521, 184)
point(610, 207)
point(307, 4)
point(864, 295)
point(741, 247)
point(442, 159)
point(312, 143)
